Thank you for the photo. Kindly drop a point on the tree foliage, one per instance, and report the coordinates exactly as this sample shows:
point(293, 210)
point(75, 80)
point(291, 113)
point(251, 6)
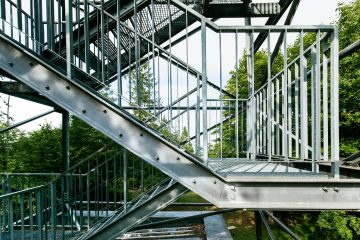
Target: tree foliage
point(349, 31)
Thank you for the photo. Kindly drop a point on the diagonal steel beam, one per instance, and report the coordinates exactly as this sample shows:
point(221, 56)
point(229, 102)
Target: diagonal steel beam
point(271, 21)
point(16, 125)
point(141, 213)
point(288, 21)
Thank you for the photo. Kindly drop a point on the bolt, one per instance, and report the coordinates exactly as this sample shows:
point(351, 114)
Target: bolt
point(336, 189)
point(177, 158)
point(11, 64)
point(157, 158)
point(105, 111)
point(31, 64)
point(325, 189)
point(47, 88)
point(141, 134)
point(120, 135)
point(84, 111)
point(194, 181)
point(214, 182)
point(68, 87)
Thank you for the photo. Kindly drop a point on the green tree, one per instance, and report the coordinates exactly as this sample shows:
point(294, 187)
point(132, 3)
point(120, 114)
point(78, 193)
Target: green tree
point(38, 151)
point(349, 31)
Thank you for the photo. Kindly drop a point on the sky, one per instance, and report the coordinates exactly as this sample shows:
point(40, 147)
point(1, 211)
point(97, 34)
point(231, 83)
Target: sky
point(310, 12)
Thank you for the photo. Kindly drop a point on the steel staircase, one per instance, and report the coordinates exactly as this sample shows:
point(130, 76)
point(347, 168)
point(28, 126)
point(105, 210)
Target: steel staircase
point(121, 127)
point(75, 80)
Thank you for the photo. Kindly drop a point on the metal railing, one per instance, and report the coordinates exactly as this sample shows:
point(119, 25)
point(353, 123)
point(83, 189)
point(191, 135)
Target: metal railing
point(91, 190)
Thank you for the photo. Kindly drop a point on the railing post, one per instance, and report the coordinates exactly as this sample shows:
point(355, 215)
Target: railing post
point(204, 91)
point(251, 120)
point(39, 212)
point(303, 101)
point(270, 96)
point(334, 102)
point(11, 218)
point(2, 14)
point(284, 88)
point(125, 159)
point(53, 209)
point(197, 117)
point(69, 37)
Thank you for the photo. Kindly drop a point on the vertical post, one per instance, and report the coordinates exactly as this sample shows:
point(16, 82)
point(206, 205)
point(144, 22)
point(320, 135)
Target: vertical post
point(142, 176)
point(285, 151)
point(50, 23)
point(273, 124)
point(236, 97)
point(269, 94)
point(2, 14)
point(69, 37)
point(19, 18)
point(334, 102)
point(221, 99)
point(296, 110)
point(86, 36)
point(264, 124)
point(251, 89)
point(39, 212)
point(38, 24)
point(125, 159)
point(197, 117)
point(303, 100)
point(289, 111)
point(277, 116)
point(88, 193)
point(65, 139)
point(22, 213)
point(258, 225)
point(325, 105)
point(317, 104)
point(102, 36)
point(53, 209)
point(11, 218)
point(118, 49)
point(170, 99)
point(65, 154)
point(153, 53)
point(204, 91)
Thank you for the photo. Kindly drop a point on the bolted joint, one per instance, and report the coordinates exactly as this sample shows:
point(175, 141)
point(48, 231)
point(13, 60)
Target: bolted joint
point(11, 64)
point(325, 189)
